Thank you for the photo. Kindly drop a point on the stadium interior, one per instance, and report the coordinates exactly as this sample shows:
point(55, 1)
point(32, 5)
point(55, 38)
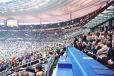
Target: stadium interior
point(56, 37)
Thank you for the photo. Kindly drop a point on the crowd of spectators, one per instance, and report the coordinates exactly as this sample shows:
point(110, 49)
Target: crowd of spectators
point(30, 35)
point(15, 54)
point(98, 44)
point(38, 70)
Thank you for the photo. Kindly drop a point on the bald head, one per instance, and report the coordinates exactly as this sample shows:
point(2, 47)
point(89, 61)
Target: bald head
point(15, 74)
point(25, 73)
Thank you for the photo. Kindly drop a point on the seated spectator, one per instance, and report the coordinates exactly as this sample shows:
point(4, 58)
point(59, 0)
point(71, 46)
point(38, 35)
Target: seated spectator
point(101, 53)
point(24, 73)
point(38, 70)
point(15, 74)
point(110, 57)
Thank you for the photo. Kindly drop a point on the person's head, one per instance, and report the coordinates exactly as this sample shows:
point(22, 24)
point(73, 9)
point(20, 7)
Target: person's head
point(38, 67)
point(99, 45)
point(15, 74)
point(24, 73)
point(109, 44)
point(83, 43)
point(94, 43)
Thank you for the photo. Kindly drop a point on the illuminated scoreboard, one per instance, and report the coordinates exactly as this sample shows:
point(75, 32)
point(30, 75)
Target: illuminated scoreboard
point(12, 23)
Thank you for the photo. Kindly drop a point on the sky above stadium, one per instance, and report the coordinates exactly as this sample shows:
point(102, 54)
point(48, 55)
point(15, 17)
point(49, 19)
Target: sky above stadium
point(2, 1)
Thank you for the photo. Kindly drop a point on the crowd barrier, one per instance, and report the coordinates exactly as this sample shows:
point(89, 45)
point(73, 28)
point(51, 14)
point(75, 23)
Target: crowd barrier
point(79, 64)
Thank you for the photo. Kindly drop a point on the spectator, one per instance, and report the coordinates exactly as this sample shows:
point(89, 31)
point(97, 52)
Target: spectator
point(103, 51)
point(111, 57)
point(38, 70)
point(24, 73)
point(15, 74)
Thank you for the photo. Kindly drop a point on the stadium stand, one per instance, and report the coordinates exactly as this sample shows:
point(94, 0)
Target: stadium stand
point(82, 46)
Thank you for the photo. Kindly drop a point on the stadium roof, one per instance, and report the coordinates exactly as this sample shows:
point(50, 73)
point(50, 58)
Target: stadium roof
point(27, 11)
